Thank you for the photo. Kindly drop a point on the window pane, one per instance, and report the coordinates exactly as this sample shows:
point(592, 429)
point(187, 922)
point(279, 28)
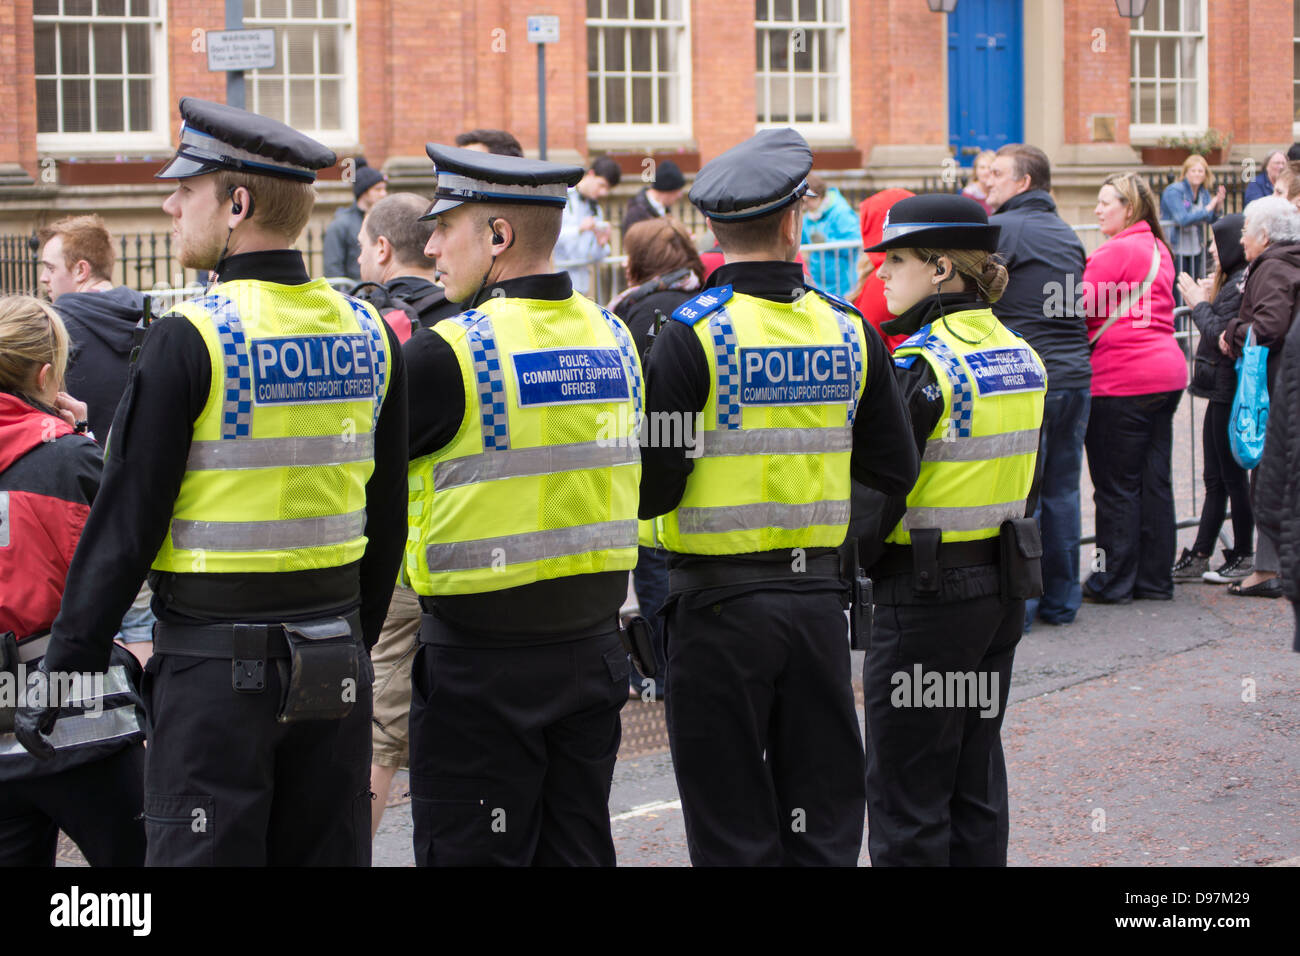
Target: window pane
point(1146, 103)
point(641, 50)
point(615, 111)
point(761, 98)
point(1168, 109)
point(331, 9)
point(108, 49)
point(304, 9)
point(643, 9)
point(45, 8)
point(273, 8)
point(1190, 112)
point(615, 61)
point(617, 10)
point(760, 55)
point(1187, 57)
point(803, 99)
point(1167, 61)
point(74, 44)
point(593, 100)
point(778, 93)
point(1172, 21)
point(665, 100)
point(1192, 16)
point(827, 112)
point(47, 106)
point(329, 51)
point(45, 50)
point(111, 8)
point(593, 9)
point(801, 46)
point(667, 50)
point(782, 10)
point(642, 111)
point(141, 92)
point(593, 47)
point(807, 10)
point(302, 58)
point(77, 8)
point(778, 45)
point(270, 99)
point(138, 54)
point(76, 106)
point(331, 104)
point(142, 8)
point(108, 106)
point(302, 104)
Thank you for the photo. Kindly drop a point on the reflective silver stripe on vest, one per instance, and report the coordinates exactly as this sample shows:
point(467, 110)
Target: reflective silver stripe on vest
point(978, 518)
point(776, 441)
point(765, 514)
point(981, 447)
point(530, 462)
point(287, 535)
point(81, 729)
point(296, 452)
point(532, 546)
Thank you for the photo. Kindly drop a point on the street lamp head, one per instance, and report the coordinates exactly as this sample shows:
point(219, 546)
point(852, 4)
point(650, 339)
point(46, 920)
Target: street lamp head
point(1131, 8)
point(942, 6)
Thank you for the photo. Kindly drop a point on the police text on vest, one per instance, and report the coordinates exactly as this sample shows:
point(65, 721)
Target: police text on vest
point(312, 368)
point(795, 375)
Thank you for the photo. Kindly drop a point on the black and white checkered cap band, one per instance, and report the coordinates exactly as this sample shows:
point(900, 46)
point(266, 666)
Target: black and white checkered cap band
point(762, 209)
point(466, 189)
point(203, 147)
point(894, 230)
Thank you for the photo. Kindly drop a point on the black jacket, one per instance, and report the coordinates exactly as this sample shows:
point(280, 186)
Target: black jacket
point(638, 209)
point(143, 468)
point(1043, 255)
point(1277, 487)
point(425, 303)
point(1214, 375)
point(646, 308)
point(101, 326)
point(341, 244)
point(1269, 303)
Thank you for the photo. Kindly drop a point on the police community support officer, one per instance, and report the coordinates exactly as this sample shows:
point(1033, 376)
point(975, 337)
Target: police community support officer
point(523, 483)
point(961, 556)
point(792, 395)
point(256, 469)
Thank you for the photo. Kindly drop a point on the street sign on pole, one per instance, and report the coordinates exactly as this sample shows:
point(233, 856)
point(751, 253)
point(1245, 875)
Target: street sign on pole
point(241, 50)
point(234, 78)
point(542, 30)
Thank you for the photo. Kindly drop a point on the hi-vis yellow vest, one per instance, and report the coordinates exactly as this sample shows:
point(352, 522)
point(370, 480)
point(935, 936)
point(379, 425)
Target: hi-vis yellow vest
point(775, 437)
point(978, 464)
point(542, 479)
point(281, 453)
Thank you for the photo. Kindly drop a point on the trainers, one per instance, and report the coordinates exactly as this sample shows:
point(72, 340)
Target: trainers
point(1234, 568)
point(1190, 567)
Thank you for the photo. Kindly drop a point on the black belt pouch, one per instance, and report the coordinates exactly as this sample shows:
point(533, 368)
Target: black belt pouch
point(9, 665)
point(1022, 567)
point(323, 671)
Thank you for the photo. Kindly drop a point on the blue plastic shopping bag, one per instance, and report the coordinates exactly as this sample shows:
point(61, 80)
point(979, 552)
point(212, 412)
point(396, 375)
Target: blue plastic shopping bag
point(1250, 404)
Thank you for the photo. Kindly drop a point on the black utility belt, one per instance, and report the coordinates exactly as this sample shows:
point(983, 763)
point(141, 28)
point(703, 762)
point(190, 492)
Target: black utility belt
point(435, 630)
point(901, 558)
point(703, 577)
point(322, 673)
point(1015, 551)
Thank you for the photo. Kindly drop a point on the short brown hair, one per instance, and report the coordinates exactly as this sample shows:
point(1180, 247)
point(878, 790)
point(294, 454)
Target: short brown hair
point(84, 237)
point(749, 235)
point(537, 227)
point(1029, 161)
point(396, 217)
point(282, 206)
point(658, 246)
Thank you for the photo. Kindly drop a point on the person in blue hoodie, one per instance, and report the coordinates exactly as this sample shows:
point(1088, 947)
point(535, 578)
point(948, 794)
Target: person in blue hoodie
point(1189, 203)
point(829, 218)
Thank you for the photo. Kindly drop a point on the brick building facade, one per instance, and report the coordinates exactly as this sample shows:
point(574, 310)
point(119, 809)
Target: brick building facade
point(869, 82)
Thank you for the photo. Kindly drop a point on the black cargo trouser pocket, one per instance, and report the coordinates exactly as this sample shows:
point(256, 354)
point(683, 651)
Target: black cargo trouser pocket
point(180, 830)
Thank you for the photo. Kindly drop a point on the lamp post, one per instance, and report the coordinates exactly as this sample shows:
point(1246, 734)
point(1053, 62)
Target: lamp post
point(1131, 8)
point(942, 6)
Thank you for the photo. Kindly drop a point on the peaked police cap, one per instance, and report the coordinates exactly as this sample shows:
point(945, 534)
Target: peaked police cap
point(467, 175)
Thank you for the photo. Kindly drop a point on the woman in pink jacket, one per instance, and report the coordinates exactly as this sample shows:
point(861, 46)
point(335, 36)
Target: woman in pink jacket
point(1138, 376)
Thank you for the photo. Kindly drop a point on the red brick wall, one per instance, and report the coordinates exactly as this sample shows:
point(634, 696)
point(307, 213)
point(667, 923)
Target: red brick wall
point(18, 86)
point(898, 74)
point(1096, 80)
point(724, 100)
point(189, 67)
point(1251, 70)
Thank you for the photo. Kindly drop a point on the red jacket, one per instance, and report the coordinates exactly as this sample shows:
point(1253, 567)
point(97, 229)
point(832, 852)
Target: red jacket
point(48, 478)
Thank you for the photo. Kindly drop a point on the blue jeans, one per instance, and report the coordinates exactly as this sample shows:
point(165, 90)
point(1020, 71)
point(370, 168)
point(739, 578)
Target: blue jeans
point(1060, 447)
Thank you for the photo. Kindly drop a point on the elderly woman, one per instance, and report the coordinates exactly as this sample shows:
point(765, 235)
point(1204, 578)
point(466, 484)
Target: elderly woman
point(1138, 376)
point(1189, 203)
point(1271, 238)
point(1262, 185)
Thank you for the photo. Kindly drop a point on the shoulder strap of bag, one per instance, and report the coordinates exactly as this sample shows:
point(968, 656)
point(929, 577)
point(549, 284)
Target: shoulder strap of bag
point(1126, 303)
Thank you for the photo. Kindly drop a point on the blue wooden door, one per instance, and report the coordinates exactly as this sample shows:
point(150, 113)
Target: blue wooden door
point(985, 76)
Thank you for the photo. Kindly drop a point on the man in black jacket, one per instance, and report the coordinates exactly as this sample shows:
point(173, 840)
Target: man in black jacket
point(658, 198)
point(1046, 260)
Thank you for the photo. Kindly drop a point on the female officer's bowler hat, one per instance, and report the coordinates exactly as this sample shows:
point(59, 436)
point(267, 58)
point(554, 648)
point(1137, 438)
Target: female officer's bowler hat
point(937, 221)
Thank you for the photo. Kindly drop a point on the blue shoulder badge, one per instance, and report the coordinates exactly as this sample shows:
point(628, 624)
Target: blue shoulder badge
point(710, 300)
point(904, 361)
point(916, 340)
point(834, 299)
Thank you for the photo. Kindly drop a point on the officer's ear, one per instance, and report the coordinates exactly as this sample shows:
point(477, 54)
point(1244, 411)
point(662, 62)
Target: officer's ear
point(383, 250)
point(502, 234)
point(942, 270)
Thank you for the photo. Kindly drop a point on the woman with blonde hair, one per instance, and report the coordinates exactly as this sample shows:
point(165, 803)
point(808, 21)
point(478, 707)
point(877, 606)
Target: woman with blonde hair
point(93, 786)
point(981, 178)
point(1138, 376)
point(1190, 203)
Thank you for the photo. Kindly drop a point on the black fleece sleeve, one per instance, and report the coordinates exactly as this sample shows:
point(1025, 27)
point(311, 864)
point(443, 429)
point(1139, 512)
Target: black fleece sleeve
point(144, 463)
point(385, 500)
point(884, 453)
point(437, 392)
point(677, 386)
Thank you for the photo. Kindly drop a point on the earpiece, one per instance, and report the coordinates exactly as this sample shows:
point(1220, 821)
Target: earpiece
point(236, 208)
point(939, 271)
point(497, 238)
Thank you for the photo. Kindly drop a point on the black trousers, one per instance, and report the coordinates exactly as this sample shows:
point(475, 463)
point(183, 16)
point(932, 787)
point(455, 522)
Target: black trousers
point(513, 750)
point(97, 804)
point(1130, 448)
point(1224, 480)
point(936, 777)
point(763, 728)
point(226, 784)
